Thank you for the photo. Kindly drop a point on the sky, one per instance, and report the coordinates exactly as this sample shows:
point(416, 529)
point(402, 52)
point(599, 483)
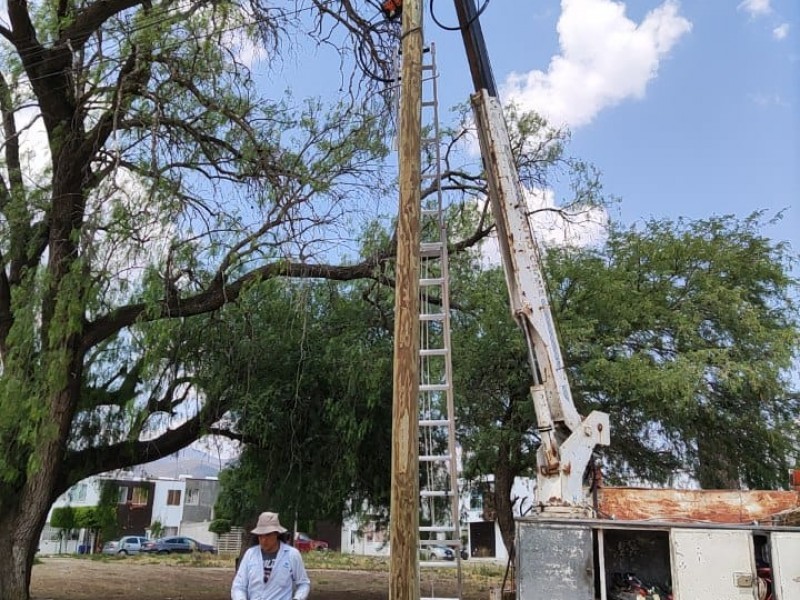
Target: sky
point(688, 109)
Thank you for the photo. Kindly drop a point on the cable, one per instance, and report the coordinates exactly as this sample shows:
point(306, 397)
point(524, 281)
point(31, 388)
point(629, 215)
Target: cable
point(459, 28)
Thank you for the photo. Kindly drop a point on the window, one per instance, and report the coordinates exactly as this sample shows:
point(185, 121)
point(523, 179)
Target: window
point(173, 498)
point(476, 499)
point(123, 495)
point(139, 496)
point(78, 493)
point(193, 497)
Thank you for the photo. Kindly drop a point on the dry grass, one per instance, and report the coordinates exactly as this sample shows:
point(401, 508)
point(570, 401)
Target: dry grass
point(476, 571)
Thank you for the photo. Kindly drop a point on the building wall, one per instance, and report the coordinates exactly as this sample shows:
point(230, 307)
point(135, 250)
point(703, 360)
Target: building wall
point(135, 506)
point(168, 498)
point(199, 532)
point(201, 495)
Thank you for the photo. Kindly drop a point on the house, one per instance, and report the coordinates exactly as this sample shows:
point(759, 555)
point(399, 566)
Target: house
point(363, 534)
point(134, 512)
point(183, 505)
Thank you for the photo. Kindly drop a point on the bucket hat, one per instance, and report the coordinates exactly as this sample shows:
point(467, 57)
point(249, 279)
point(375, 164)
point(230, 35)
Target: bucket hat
point(268, 523)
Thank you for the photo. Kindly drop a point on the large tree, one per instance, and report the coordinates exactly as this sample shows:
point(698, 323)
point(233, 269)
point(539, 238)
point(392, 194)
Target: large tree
point(146, 177)
point(684, 332)
point(314, 412)
point(331, 384)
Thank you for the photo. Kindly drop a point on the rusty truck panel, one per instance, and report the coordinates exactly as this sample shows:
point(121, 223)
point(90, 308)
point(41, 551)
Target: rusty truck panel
point(715, 506)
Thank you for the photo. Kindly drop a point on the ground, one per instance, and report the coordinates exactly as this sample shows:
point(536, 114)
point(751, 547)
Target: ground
point(83, 578)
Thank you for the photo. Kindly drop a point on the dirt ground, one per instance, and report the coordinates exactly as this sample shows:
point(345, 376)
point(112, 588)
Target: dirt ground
point(80, 579)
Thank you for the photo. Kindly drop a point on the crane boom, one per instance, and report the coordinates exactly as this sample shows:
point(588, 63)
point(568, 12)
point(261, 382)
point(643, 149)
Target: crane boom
point(567, 439)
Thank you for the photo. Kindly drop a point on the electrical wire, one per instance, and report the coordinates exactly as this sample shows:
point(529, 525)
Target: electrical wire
point(459, 27)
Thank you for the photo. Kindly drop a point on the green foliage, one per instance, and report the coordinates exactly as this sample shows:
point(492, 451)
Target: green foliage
point(684, 332)
point(313, 382)
point(156, 529)
point(220, 526)
point(63, 517)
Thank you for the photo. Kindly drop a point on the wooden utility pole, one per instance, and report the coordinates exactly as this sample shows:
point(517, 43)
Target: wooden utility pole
point(404, 516)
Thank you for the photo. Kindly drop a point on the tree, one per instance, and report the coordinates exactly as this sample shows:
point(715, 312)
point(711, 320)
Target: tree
point(346, 330)
point(63, 518)
point(146, 179)
point(684, 332)
point(315, 410)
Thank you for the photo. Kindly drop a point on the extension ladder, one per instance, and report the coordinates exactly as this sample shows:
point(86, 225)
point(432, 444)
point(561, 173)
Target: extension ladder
point(438, 461)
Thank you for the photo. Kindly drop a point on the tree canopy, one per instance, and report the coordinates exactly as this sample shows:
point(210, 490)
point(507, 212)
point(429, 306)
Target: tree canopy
point(148, 175)
point(685, 332)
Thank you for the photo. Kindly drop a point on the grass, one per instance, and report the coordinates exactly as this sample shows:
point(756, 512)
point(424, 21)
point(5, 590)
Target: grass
point(474, 571)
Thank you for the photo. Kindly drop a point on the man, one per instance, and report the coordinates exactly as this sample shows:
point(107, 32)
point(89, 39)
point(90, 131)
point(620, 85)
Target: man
point(271, 570)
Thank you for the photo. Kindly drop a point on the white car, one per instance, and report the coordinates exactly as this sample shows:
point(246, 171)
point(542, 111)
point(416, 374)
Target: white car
point(130, 544)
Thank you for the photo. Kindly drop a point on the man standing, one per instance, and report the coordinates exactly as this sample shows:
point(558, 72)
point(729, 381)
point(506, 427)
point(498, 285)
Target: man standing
point(272, 570)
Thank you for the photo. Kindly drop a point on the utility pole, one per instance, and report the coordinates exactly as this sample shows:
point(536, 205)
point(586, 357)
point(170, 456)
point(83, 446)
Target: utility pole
point(404, 516)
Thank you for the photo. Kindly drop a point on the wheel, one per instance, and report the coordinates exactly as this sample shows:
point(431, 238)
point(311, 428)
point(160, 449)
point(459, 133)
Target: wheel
point(163, 552)
point(123, 553)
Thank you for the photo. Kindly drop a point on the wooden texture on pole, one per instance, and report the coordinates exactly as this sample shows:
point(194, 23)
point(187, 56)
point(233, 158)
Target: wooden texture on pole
point(404, 515)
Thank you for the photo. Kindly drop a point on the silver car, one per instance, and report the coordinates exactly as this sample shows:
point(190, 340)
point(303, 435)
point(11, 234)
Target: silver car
point(130, 544)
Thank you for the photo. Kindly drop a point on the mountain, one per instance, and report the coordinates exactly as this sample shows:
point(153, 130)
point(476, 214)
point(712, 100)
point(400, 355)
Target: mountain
point(189, 461)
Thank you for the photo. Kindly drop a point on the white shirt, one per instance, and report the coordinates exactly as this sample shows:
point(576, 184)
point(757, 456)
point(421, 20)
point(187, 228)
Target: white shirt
point(287, 581)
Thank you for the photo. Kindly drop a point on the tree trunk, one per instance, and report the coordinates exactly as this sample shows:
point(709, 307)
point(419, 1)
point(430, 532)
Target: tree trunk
point(716, 467)
point(18, 545)
point(504, 509)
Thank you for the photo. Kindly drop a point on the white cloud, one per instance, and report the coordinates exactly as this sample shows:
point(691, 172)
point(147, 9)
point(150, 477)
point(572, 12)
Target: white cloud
point(781, 31)
point(604, 58)
point(769, 100)
point(756, 8)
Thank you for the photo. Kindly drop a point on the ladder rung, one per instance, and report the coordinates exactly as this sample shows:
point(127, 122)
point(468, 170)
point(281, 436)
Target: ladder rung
point(427, 67)
point(432, 317)
point(433, 352)
point(435, 493)
point(434, 422)
point(429, 103)
point(451, 543)
point(434, 248)
point(429, 140)
point(434, 458)
point(431, 212)
point(434, 387)
point(435, 529)
point(438, 563)
point(431, 281)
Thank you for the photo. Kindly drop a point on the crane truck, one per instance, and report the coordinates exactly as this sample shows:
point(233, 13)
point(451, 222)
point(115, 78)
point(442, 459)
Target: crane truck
point(687, 544)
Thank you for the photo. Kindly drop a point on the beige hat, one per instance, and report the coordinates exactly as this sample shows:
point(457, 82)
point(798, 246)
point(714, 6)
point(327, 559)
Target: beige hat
point(268, 523)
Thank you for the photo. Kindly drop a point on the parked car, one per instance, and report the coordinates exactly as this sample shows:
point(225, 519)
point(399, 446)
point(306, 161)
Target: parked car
point(438, 552)
point(305, 543)
point(130, 544)
point(178, 545)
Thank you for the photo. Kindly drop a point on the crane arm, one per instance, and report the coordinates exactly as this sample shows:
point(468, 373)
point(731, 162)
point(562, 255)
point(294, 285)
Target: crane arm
point(567, 439)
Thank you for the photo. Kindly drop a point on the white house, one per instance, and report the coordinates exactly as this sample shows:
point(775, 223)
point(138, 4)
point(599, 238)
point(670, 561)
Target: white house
point(168, 498)
point(361, 534)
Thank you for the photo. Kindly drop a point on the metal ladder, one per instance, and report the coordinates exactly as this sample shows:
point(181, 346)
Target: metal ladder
point(439, 498)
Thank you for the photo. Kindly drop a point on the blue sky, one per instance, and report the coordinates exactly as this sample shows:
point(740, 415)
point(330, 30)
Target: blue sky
point(688, 109)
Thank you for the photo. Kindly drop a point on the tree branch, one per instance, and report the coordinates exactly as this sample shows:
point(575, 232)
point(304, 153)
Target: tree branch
point(90, 19)
point(218, 294)
point(80, 464)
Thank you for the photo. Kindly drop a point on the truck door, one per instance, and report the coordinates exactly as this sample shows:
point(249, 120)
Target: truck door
point(713, 564)
point(554, 562)
point(785, 546)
